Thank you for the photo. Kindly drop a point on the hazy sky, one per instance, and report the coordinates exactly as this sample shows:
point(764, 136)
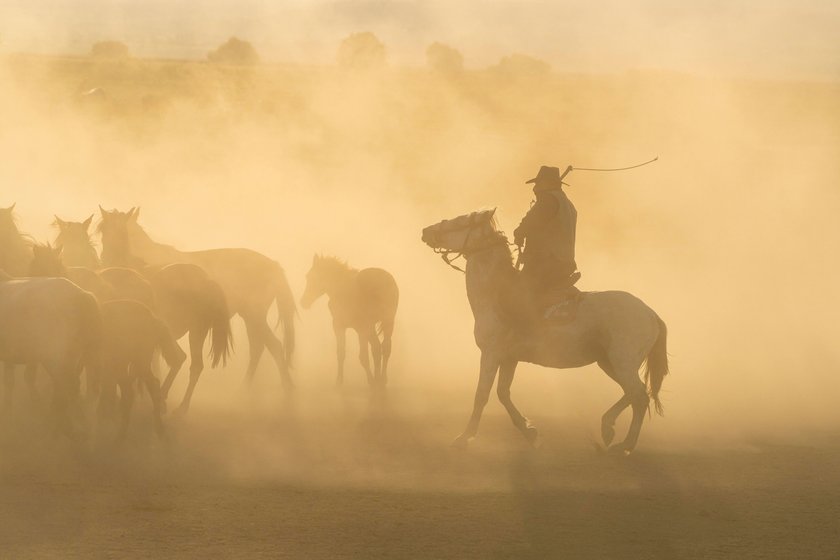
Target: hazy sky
point(777, 38)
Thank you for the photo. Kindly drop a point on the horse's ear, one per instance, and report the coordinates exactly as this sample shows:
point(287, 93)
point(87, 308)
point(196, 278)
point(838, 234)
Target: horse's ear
point(86, 223)
point(59, 222)
point(134, 213)
point(102, 211)
point(12, 207)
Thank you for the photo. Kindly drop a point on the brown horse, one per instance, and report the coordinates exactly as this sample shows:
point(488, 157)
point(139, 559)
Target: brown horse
point(250, 281)
point(190, 302)
point(76, 245)
point(180, 294)
point(15, 252)
point(132, 335)
point(107, 284)
point(15, 256)
point(52, 322)
point(361, 300)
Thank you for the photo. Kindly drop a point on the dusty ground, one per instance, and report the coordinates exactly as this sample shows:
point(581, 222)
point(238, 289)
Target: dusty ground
point(352, 478)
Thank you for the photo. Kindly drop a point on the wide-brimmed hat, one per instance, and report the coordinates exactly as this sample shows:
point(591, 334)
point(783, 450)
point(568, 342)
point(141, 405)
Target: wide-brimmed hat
point(547, 177)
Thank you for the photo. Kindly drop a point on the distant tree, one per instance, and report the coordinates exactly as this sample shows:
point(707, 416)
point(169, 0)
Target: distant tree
point(109, 49)
point(361, 50)
point(234, 51)
point(445, 60)
point(522, 65)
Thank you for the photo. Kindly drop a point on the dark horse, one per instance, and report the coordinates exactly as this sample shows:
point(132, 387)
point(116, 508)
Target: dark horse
point(185, 297)
point(133, 333)
point(360, 300)
point(249, 280)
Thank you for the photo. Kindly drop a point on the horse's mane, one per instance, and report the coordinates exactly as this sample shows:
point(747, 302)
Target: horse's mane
point(23, 238)
point(334, 264)
point(142, 231)
point(88, 236)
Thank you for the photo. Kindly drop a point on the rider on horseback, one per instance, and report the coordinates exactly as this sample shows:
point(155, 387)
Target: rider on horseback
point(549, 267)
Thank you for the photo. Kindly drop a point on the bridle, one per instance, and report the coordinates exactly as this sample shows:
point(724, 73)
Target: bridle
point(449, 256)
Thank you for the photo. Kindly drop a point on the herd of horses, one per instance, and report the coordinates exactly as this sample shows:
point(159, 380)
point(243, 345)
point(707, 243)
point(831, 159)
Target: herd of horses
point(76, 313)
point(69, 310)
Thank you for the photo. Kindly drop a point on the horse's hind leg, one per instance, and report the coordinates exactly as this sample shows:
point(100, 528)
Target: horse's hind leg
point(256, 346)
point(610, 416)
point(126, 402)
point(364, 355)
point(387, 332)
point(506, 374)
point(275, 348)
point(376, 352)
point(197, 337)
point(636, 395)
point(340, 351)
point(260, 337)
point(145, 374)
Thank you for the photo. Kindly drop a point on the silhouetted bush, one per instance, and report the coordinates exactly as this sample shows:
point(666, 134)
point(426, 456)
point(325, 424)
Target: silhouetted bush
point(109, 49)
point(361, 50)
point(522, 65)
point(234, 51)
point(445, 60)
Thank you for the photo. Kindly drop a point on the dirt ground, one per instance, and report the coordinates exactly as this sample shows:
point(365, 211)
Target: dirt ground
point(355, 477)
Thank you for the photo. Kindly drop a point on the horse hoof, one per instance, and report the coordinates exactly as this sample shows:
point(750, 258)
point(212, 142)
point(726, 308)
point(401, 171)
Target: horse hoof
point(533, 437)
point(460, 442)
point(180, 412)
point(619, 450)
point(607, 434)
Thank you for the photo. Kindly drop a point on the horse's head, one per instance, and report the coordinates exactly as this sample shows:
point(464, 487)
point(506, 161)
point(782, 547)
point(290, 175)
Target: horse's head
point(46, 261)
point(72, 233)
point(7, 221)
point(320, 277)
point(463, 234)
point(115, 229)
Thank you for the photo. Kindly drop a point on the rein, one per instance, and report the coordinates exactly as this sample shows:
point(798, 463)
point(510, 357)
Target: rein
point(445, 254)
point(450, 256)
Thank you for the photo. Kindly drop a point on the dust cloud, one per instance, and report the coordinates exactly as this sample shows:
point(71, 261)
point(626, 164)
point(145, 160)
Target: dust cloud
point(731, 236)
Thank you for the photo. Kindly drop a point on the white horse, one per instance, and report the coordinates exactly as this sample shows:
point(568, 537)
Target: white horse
point(52, 322)
point(614, 329)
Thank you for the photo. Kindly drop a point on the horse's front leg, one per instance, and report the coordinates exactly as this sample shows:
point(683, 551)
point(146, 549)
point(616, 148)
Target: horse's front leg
point(506, 374)
point(364, 354)
point(487, 374)
point(340, 351)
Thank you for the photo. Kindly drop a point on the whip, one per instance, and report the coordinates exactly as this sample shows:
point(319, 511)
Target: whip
point(572, 168)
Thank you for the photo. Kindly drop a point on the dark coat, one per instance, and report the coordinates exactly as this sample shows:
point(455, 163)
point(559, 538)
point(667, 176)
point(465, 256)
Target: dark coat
point(548, 229)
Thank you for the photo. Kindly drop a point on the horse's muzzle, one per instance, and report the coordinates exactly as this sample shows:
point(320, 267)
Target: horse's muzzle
point(428, 236)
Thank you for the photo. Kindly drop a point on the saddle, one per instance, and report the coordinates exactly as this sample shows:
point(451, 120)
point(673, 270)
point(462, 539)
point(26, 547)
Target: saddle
point(555, 305)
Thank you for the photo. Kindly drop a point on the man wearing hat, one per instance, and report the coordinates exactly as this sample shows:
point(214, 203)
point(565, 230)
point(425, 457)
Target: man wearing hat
point(548, 233)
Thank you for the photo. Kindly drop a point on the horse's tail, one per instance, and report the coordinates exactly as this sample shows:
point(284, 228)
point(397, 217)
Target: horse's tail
point(221, 341)
point(286, 311)
point(656, 366)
